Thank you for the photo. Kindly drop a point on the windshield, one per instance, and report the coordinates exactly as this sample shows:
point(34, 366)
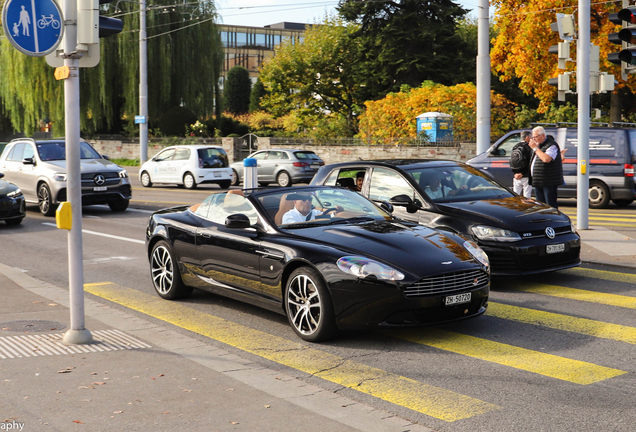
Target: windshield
point(457, 183)
point(56, 150)
point(307, 206)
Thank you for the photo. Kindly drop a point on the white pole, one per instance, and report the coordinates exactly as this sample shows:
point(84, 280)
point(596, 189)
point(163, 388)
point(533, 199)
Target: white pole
point(483, 78)
point(77, 334)
point(583, 88)
point(143, 84)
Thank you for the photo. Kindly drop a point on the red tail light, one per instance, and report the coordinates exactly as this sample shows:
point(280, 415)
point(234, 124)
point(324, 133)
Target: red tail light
point(301, 164)
point(629, 170)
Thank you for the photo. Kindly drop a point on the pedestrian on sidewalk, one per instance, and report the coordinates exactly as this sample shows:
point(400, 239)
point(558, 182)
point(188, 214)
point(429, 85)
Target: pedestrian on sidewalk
point(546, 169)
point(520, 158)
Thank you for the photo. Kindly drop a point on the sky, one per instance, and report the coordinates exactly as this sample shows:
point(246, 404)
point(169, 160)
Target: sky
point(259, 13)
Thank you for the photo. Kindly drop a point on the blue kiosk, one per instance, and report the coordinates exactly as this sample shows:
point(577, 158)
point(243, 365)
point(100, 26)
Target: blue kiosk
point(438, 126)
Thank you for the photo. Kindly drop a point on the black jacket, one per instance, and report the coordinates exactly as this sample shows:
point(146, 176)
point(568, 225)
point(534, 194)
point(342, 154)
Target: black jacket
point(527, 152)
point(547, 174)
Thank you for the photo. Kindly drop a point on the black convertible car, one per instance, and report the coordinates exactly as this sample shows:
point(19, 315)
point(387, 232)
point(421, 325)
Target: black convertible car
point(12, 204)
point(326, 257)
point(520, 236)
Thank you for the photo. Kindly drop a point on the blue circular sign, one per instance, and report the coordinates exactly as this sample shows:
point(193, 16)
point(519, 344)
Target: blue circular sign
point(34, 27)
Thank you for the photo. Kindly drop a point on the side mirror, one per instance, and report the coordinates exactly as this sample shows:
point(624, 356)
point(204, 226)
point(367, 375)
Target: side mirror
point(402, 200)
point(28, 161)
point(387, 206)
point(1, 175)
point(237, 221)
point(105, 157)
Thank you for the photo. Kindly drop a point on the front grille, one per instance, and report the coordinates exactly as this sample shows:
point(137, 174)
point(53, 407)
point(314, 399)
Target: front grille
point(566, 229)
point(111, 178)
point(447, 283)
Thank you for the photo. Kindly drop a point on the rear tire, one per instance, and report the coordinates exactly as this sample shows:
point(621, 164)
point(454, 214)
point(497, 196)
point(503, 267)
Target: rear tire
point(189, 182)
point(598, 195)
point(164, 271)
point(623, 203)
point(145, 179)
point(235, 178)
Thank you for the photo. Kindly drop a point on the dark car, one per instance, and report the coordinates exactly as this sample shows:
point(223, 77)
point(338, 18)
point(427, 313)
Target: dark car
point(353, 266)
point(520, 236)
point(12, 205)
point(612, 156)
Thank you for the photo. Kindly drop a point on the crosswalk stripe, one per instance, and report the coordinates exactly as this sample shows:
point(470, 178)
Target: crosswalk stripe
point(578, 294)
point(575, 371)
point(433, 401)
point(584, 326)
point(602, 274)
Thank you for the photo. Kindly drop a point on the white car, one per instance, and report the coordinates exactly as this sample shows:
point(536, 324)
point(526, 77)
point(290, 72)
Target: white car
point(188, 166)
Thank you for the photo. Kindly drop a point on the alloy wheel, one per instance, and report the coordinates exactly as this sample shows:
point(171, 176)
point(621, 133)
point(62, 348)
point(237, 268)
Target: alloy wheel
point(304, 305)
point(162, 270)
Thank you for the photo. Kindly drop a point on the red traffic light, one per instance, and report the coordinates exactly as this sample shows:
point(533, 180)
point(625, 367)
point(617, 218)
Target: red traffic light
point(627, 14)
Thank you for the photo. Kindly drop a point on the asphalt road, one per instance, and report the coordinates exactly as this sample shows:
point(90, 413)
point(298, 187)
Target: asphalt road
point(553, 352)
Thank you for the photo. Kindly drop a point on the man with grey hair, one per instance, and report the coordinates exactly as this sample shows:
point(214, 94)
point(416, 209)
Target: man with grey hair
point(546, 169)
point(520, 158)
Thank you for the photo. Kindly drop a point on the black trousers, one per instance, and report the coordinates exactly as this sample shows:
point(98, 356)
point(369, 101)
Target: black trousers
point(547, 194)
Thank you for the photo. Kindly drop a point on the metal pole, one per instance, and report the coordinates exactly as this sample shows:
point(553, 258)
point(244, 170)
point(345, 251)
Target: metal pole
point(143, 84)
point(583, 88)
point(77, 334)
point(483, 78)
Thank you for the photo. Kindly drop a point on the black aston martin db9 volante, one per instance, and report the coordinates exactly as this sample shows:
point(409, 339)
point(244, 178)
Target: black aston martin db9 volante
point(326, 257)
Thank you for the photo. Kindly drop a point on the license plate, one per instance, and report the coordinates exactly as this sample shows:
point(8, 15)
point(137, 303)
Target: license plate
point(315, 166)
point(217, 174)
point(556, 248)
point(99, 188)
point(457, 299)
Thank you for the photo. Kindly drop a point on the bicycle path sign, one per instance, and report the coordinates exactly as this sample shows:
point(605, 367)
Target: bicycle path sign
point(34, 27)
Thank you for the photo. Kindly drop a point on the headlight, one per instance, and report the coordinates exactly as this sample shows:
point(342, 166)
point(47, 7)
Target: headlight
point(123, 174)
point(59, 177)
point(573, 227)
point(495, 234)
point(477, 252)
point(15, 193)
point(363, 267)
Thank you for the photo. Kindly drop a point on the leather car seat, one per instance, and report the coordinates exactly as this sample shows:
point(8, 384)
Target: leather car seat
point(283, 208)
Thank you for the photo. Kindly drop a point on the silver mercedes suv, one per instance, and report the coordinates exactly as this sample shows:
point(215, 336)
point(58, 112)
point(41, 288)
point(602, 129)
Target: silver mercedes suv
point(38, 167)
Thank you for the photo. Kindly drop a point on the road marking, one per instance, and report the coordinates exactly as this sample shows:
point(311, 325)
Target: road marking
point(432, 401)
point(577, 294)
point(565, 369)
point(584, 326)
point(173, 203)
point(102, 234)
point(602, 274)
point(106, 259)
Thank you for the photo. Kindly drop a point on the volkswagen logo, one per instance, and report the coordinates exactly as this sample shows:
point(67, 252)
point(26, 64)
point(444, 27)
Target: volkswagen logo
point(549, 231)
point(99, 180)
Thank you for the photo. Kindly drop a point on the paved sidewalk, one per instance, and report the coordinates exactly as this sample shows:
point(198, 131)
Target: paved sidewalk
point(143, 376)
point(606, 246)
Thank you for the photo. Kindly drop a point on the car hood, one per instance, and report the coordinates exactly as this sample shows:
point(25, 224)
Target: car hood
point(408, 247)
point(514, 213)
point(6, 187)
point(87, 165)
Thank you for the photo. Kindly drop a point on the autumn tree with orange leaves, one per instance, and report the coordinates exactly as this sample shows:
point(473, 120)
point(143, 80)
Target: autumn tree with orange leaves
point(394, 116)
point(520, 48)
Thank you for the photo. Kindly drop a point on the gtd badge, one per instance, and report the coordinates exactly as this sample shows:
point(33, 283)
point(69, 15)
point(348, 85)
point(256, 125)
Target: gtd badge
point(549, 231)
point(99, 180)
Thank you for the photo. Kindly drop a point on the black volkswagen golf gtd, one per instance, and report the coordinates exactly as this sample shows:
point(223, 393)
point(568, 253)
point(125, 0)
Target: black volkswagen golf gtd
point(519, 235)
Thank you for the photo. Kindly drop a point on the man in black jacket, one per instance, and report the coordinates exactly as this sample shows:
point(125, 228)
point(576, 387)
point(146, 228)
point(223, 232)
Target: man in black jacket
point(546, 168)
point(521, 156)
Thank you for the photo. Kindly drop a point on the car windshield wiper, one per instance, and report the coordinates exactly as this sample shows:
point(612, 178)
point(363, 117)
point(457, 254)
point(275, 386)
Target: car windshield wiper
point(356, 219)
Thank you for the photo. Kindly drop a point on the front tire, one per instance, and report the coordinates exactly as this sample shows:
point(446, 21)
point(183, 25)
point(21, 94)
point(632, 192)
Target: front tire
point(235, 178)
point(189, 182)
point(45, 200)
point(284, 179)
point(164, 271)
point(308, 305)
point(598, 195)
point(146, 181)
point(119, 206)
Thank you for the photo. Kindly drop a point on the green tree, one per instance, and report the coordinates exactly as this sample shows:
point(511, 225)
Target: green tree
point(237, 90)
point(258, 91)
point(317, 77)
point(109, 92)
point(407, 42)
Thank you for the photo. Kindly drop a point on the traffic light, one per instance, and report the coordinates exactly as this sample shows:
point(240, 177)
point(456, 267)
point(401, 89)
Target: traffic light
point(109, 26)
point(626, 58)
point(563, 52)
point(562, 83)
